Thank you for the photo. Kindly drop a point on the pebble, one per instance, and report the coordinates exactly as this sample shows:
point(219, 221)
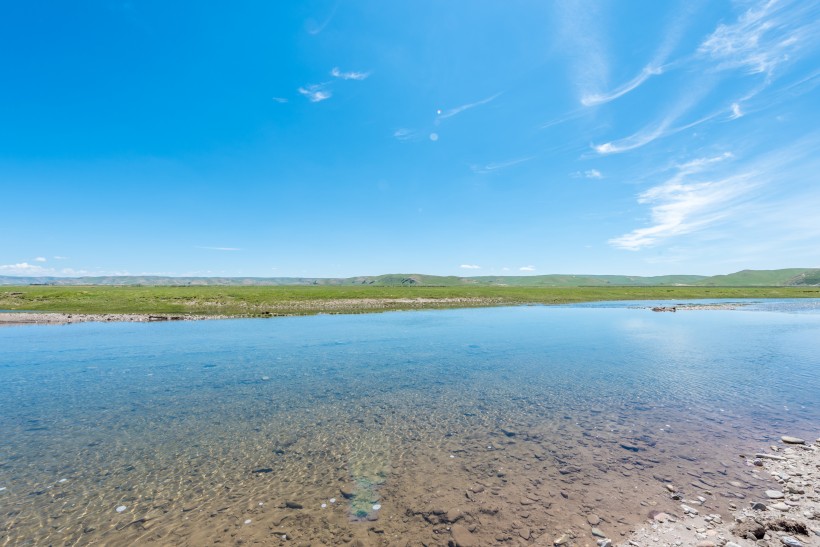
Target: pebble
point(780, 506)
point(121, 508)
point(774, 494)
point(293, 505)
point(790, 541)
point(792, 440)
point(757, 506)
point(248, 521)
point(377, 506)
point(593, 519)
point(689, 510)
point(598, 533)
point(605, 543)
point(670, 487)
point(2, 488)
point(563, 539)
point(705, 543)
point(463, 537)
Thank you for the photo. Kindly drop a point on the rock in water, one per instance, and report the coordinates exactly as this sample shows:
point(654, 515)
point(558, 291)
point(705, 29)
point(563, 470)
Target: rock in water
point(792, 440)
point(463, 537)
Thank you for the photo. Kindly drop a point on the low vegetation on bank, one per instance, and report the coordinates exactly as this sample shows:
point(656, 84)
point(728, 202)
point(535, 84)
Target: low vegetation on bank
point(307, 300)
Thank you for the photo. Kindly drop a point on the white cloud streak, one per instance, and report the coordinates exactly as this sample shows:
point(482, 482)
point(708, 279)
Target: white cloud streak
point(459, 109)
point(660, 129)
point(316, 93)
point(527, 268)
point(353, 75)
point(470, 267)
point(763, 37)
point(404, 134)
point(680, 207)
point(592, 99)
point(40, 259)
point(490, 167)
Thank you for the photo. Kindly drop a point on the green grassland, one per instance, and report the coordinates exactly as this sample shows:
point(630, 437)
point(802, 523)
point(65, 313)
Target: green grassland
point(306, 300)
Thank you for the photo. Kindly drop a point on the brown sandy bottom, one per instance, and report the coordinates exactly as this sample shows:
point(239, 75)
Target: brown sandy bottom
point(495, 467)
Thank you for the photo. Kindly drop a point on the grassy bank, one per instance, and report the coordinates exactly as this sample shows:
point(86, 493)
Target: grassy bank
point(256, 301)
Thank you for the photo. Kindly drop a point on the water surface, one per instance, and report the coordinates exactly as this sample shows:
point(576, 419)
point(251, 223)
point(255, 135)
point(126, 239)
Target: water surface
point(517, 421)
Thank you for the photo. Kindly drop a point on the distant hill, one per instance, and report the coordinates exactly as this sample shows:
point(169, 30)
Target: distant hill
point(765, 278)
point(746, 278)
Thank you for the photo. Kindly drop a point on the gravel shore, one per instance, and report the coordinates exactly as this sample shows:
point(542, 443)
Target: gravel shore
point(787, 514)
point(50, 318)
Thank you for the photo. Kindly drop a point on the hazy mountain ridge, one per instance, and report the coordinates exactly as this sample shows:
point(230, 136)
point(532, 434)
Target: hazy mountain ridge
point(745, 278)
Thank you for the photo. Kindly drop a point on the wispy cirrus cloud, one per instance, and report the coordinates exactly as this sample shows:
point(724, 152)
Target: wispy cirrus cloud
point(352, 75)
point(316, 93)
point(680, 206)
point(40, 259)
point(662, 128)
point(763, 37)
point(459, 109)
point(495, 166)
point(280, 100)
point(580, 31)
point(313, 27)
point(527, 268)
point(218, 248)
point(404, 134)
point(592, 99)
point(656, 66)
point(470, 267)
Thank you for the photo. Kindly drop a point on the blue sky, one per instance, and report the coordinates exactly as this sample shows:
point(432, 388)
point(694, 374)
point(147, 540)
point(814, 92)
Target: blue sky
point(472, 137)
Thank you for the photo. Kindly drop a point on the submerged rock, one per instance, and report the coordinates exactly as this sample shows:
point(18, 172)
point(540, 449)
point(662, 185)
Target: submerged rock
point(463, 537)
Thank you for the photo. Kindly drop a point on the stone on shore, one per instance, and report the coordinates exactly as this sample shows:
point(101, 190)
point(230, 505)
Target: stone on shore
point(792, 440)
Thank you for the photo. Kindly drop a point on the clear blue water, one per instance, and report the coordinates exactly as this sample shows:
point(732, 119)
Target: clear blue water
point(196, 428)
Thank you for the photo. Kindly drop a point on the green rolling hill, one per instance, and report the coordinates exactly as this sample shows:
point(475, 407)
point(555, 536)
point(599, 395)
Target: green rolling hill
point(747, 278)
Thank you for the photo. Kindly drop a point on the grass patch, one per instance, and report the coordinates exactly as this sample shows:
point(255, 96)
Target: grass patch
point(301, 300)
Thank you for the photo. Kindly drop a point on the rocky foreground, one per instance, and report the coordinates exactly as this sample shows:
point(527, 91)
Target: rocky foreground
point(788, 516)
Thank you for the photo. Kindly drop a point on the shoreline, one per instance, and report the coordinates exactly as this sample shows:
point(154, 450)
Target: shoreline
point(786, 514)
point(314, 307)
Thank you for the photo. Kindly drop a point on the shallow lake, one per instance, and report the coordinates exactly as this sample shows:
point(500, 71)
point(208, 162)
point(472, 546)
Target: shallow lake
point(515, 422)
